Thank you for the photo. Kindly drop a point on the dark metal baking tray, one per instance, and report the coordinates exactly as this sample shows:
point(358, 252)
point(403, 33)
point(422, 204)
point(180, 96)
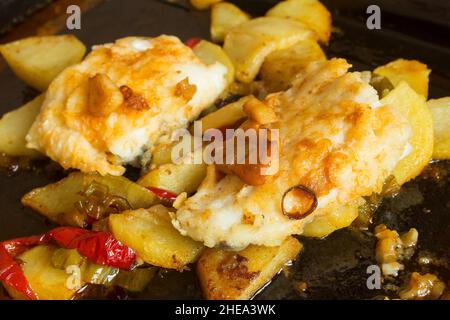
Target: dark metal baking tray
point(335, 267)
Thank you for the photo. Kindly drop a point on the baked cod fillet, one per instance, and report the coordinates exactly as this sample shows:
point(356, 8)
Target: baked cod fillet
point(121, 100)
point(337, 141)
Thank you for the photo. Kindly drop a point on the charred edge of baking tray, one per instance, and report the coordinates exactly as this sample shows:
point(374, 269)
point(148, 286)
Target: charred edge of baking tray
point(16, 11)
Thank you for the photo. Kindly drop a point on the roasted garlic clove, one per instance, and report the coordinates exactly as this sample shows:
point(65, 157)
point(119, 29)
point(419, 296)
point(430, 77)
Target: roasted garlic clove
point(104, 97)
point(259, 111)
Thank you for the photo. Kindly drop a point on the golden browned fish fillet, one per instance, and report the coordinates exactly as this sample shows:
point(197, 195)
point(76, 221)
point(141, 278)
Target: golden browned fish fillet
point(337, 142)
point(121, 100)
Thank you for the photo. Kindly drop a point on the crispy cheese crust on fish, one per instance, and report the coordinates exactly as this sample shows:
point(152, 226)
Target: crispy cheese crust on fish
point(336, 140)
point(121, 100)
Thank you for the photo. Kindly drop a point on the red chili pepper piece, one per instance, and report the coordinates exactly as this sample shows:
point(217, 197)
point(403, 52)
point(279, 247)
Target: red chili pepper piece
point(17, 246)
point(167, 198)
point(12, 275)
point(163, 194)
point(97, 246)
point(192, 42)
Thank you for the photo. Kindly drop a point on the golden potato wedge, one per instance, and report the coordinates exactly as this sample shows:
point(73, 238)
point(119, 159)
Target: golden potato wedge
point(413, 72)
point(281, 67)
point(57, 199)
point(310, 12)
point(224, 17)
point(414, 108)
point(151, 234)
point(228, 275)
point(203, 4)
point(176, 178)
point(162, 154)
point(226, 116)
point(38, 60)
point(336, 219)
point(440, 112)
point(14, 127)
point(211, 53)
point(46, 281)
point(250, 43)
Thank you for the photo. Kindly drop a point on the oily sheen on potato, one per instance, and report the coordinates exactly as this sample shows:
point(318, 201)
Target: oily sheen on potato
point(38, 60)
point(414, 108)
point(151, 234)
point(229, 275)
point(14, 127)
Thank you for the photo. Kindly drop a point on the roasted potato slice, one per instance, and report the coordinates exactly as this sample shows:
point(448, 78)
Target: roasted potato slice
point(61, 197)
point(281, 67)
point(228, 275)
point(413, 72)
point(203, 4)
point(176, 178)
point(414, 108)
point(224, 17)
point(151, 234)
point(226, 116)
point(310, 12)
point(176, 175)
point(333, 220)
point(46, 281)
point(250, 43)
point(440, 111)
point(211, 53)
point(162, 154)
point(14, 127)
point(38, 60)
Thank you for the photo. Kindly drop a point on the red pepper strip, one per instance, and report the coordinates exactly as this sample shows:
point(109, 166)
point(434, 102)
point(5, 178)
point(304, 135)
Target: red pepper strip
point(163, 194)
point(12, 275)
point(192, 42)
point(97, 246)
point(20, 245)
